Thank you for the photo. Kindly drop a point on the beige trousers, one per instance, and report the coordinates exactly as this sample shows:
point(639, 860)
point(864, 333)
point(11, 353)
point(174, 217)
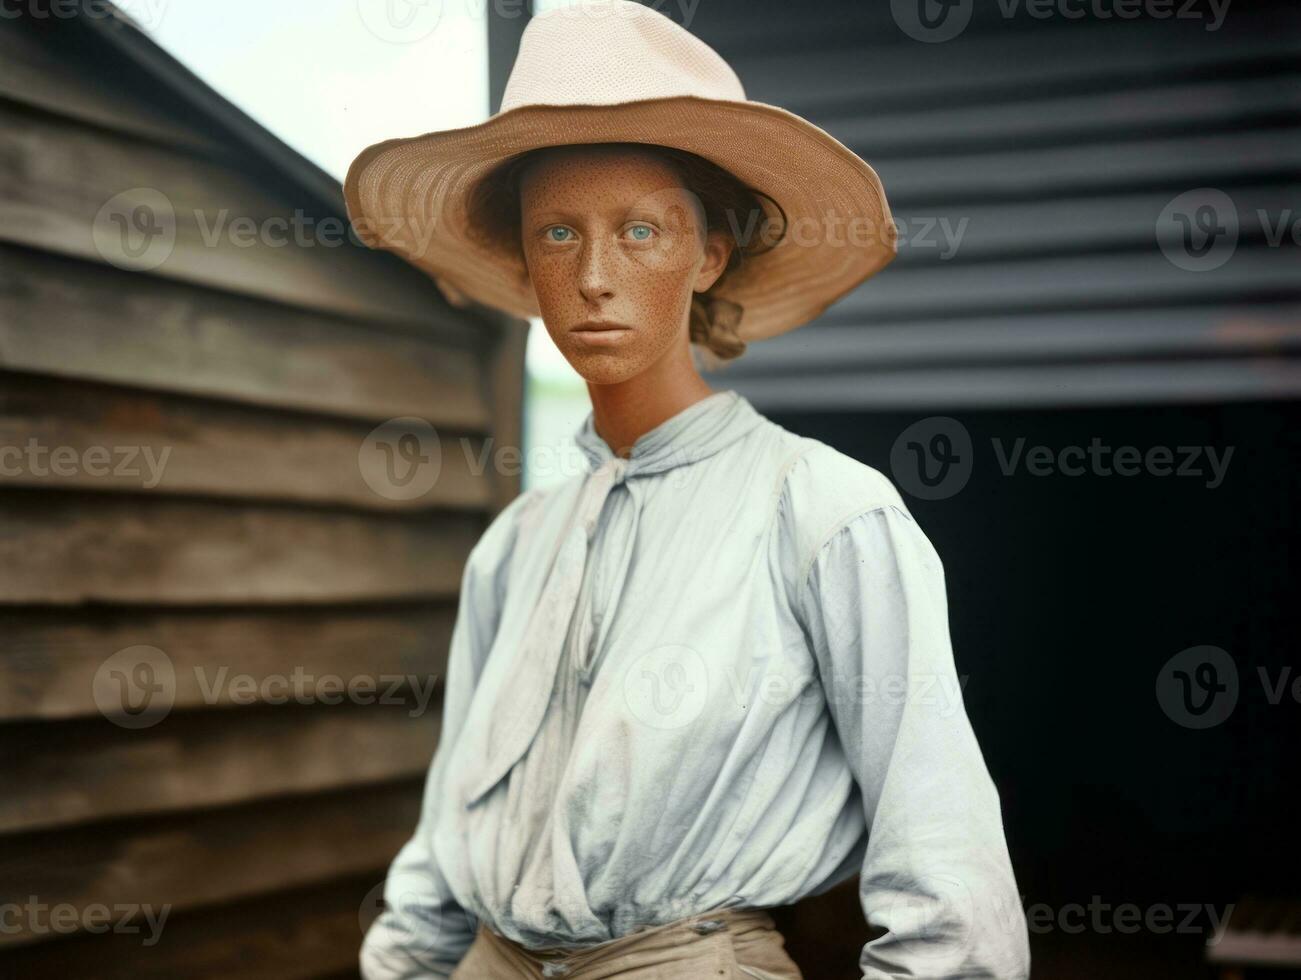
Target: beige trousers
point(732, 944)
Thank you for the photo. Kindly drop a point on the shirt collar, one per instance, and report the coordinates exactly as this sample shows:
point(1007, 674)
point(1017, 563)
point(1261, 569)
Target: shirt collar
point(699, 430)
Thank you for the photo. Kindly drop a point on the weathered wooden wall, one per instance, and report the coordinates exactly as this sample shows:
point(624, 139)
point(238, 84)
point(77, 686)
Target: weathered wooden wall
point(261, 551)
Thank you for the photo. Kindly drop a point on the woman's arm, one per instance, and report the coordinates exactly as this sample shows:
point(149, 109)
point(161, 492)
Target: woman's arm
point(423, 932)
point(936, 875)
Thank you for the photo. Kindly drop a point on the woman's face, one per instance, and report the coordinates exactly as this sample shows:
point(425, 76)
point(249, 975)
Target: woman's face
point(612, 237)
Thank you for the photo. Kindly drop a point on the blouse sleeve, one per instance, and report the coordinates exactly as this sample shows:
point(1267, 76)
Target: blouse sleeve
point(423, 932)
point(936, 876)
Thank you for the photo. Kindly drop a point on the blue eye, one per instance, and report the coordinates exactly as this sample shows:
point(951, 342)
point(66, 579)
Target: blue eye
point(646, 228)
point(563, 231)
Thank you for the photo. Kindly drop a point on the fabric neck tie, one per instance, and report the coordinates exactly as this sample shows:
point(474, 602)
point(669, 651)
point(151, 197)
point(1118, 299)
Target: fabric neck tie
point(524, 700)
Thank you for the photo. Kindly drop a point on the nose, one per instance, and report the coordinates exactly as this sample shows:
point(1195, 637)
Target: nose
point(596, 270)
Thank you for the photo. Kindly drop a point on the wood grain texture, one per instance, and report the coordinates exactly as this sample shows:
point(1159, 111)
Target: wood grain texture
point(41, 68)
point(289, 935)
point(72, 773)
point(506, 381)
point(69, 318)
point(74, 548)
point(50, 658)
point(205, 857)
point(59, 434)
point(70, 189)
point(303, 615)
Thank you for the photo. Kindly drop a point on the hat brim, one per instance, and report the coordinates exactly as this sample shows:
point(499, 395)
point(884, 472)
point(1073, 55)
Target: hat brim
point(408, 196)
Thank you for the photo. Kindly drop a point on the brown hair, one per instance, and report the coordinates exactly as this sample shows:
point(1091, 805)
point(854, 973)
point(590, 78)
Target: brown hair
point(493, 212)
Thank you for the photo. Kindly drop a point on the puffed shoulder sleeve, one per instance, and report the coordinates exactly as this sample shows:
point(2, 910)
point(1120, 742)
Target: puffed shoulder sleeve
point(936, 875)
point(423, 932)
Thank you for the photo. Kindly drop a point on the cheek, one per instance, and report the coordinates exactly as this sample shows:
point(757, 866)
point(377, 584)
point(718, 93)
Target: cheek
point(659, 280)
point(658, 292)
point(653, 284)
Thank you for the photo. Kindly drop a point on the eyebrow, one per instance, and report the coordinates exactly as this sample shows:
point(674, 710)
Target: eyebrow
point(565, 214)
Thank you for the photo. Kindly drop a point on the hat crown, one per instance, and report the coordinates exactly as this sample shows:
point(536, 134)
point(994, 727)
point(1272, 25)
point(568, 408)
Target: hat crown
point(604, 52)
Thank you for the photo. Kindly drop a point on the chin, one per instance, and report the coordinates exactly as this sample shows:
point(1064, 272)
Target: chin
point(605, 369)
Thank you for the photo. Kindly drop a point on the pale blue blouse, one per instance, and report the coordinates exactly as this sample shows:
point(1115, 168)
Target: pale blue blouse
point(737, 689)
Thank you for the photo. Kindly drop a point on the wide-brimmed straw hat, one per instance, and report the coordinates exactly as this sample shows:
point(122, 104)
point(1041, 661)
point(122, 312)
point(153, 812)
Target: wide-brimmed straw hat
point(615, 71)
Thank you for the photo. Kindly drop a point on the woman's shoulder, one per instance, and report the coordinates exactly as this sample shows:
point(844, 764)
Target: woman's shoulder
point(499, 538)
point(823, 489)
point(518, 520)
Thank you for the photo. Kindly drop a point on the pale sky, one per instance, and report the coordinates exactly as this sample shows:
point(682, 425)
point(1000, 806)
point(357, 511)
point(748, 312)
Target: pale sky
point(332, 76)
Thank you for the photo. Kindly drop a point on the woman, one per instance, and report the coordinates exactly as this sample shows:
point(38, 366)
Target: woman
point(710, 675)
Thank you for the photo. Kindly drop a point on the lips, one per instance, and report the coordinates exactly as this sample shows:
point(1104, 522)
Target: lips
point(596, 325)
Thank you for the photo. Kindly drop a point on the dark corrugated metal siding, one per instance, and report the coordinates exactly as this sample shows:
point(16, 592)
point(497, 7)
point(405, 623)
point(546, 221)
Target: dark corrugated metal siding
point(1059, 320)
point(1029, 161)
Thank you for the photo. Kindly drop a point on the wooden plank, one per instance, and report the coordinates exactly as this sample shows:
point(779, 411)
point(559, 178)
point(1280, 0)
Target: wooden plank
point(206, 857)
point(111, 439)
point(49, 69)
point(506, 378)
point(50, 658)
point(63, 774)
point(72, 548)
point(78, 319)
point(70, 189)
point(1199, 331)
point(291, 935)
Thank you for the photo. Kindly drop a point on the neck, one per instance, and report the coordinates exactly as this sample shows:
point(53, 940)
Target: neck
point(623, 412)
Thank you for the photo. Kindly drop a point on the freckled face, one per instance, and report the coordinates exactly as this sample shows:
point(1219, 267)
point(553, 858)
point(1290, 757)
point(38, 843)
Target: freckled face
point(612, 236)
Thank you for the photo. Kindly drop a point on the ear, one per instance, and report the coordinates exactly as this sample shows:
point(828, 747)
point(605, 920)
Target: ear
point(718, 249)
